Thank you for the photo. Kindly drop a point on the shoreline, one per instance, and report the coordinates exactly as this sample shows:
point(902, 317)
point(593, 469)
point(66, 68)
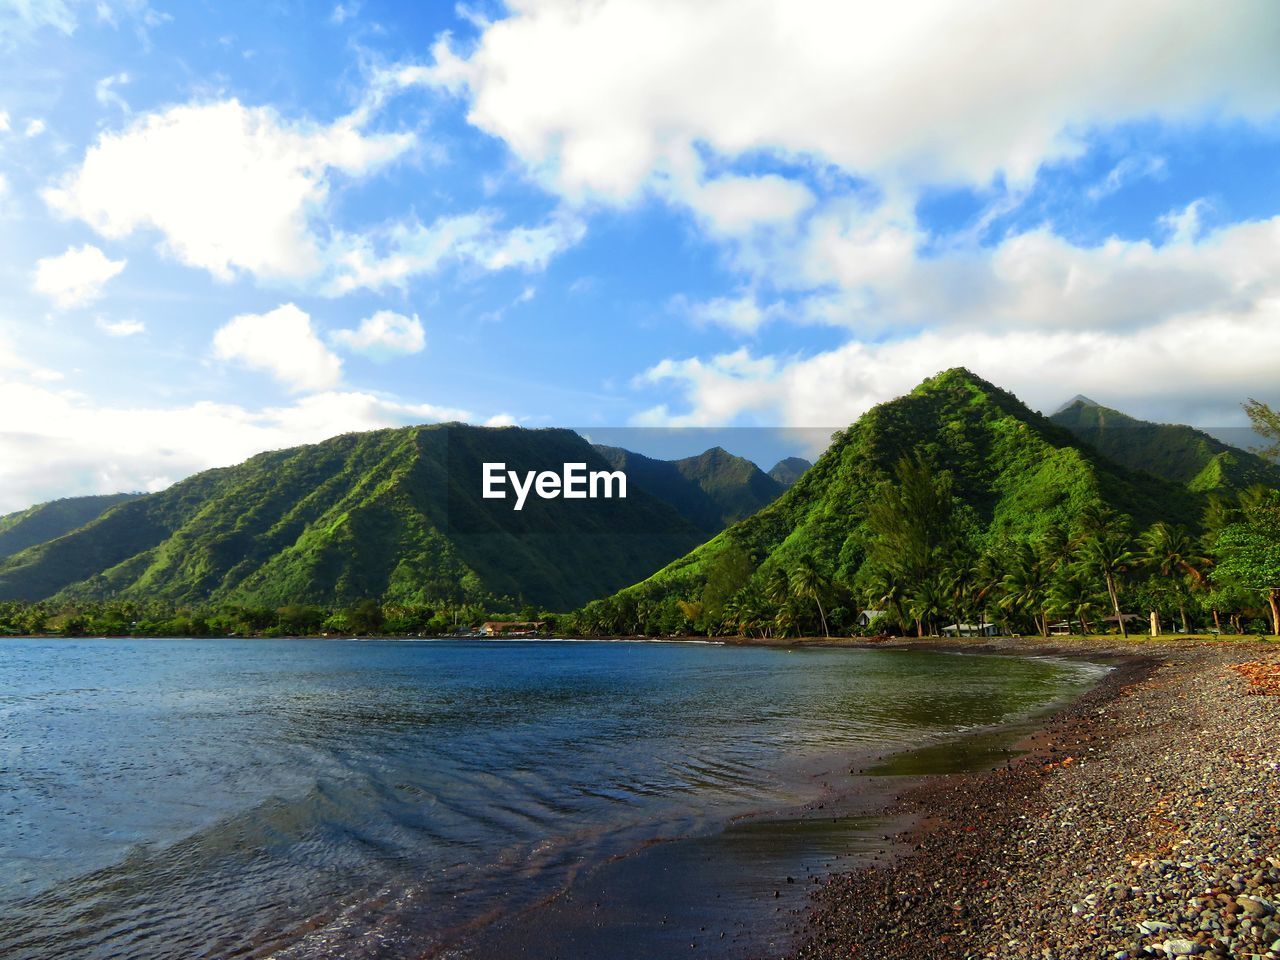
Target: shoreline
point(853, 799)
point(1143, 821)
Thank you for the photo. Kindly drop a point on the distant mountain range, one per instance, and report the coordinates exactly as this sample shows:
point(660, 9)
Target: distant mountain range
point(395, 514)
point(398, 514)
point(1182, 454)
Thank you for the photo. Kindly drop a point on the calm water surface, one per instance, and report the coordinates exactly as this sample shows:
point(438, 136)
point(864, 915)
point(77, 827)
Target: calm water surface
point(306, 798)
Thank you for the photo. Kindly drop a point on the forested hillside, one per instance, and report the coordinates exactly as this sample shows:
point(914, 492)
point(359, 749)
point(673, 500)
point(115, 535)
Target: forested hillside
point(903, 512)
point(1175, 452)
point(48, 521)
point(391, 514)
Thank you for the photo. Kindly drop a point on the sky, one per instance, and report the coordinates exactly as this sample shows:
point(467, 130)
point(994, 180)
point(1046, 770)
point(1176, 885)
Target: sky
point(229, 227)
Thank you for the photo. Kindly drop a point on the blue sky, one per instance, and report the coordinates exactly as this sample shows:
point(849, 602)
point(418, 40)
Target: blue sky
point(226, 227)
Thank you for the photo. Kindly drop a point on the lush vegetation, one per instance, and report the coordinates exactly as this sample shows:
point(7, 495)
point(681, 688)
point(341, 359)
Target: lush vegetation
point(955, 504)
point(393, 515)
point(1175, 452)
point(958, 505)
point(154, 618)
point(48, 521)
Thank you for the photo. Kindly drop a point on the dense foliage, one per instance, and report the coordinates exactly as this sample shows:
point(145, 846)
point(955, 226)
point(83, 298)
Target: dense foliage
point(1179, 453)
point(48, 521)
point(394, 515)
point(956, 504)
point(160, 619)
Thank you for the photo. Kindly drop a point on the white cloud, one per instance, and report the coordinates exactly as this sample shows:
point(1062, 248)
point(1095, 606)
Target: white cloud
point(105, 91)
point(865, 271)
point(1185, 369)
point(1184, 226)
point(1129, 169)
point(77, 276)
point(18, 21)
point(383, 333)
point(4, 121)
point(598, 98)
point(282, 343)
point(398, 252)
point(55, 443)
point(120, 328)
point(741, 314)
point(233, 188)
point(35, 126)
point(737, 204)
point(228, 187)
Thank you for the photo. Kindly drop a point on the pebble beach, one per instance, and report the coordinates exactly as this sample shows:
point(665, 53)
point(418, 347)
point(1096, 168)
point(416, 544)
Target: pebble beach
point(1142, 821)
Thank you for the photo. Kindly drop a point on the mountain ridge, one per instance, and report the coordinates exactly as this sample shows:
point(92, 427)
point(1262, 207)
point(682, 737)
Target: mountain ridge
point(394, 514)
point(1014, 473)
point(52, 519)
point(1175, 452)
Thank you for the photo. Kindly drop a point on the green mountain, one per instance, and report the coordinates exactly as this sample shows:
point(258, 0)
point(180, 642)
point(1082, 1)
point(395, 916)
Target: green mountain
point(48, 521)
point(1013, 471)
point(1179, 453)
point(710, 490)
point(394, 514)
point(789, 470)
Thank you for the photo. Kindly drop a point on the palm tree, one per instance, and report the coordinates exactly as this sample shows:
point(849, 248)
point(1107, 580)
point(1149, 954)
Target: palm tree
point(928, 601)
point(1171, 551)
point(808, 583)
point(1106, 552)
point(988, 580)
point(885, 592)
point(1026, 586)
point(1074, 597)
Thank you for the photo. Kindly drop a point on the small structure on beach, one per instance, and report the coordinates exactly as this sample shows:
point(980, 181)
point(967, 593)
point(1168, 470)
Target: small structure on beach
point(971, 630)
point(511, 628)
point(867, 617)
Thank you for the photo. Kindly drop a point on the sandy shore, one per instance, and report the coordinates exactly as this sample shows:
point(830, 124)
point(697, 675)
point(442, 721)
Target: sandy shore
point(1143, 822)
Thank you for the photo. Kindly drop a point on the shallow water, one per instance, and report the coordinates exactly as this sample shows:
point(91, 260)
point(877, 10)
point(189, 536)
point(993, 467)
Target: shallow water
point(304, 798)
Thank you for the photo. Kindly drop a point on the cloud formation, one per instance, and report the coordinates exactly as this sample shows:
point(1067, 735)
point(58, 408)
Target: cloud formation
point(386, 332)
point(228, 187)
point(76, 277)
point(283, 343)
point(600, 98)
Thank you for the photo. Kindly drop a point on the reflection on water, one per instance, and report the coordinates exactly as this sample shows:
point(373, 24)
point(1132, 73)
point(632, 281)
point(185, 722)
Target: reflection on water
point(191, 798)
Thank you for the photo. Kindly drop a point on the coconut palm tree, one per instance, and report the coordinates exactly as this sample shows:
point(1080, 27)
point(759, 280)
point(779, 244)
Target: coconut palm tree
point(808, 583)
point(1170, 550)
point(1106, 553)
point(1026, 586)
point(1076, 598)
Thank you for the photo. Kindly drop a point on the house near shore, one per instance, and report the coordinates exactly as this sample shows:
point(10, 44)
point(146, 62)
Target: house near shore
point(971, 630)
point(867, 617)
point(511, 628)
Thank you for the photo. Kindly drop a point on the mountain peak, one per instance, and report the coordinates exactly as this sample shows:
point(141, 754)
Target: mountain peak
point(1079, 400)
point(789, 469)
